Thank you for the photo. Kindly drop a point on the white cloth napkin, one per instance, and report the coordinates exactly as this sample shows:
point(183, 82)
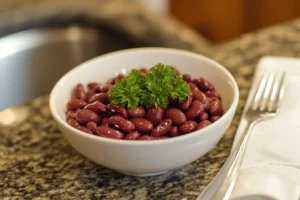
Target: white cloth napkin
point(271, 164)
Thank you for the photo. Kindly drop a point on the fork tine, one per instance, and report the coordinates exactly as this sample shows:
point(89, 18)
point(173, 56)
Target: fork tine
point(267, 92)
point(259, 90)
point(277, 92)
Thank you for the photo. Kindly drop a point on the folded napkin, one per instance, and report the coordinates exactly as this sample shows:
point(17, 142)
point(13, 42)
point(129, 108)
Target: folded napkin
point(271, 164)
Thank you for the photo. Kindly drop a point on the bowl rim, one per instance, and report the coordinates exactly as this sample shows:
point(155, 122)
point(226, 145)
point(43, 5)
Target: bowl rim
point(232, 107)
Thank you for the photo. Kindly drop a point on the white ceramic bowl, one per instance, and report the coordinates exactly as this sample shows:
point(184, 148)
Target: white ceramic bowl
point(143, 158)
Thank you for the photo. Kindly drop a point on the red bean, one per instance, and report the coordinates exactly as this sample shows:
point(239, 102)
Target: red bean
point(195, 111)
point(71, 114)
point(187, 103)
point(75, 103)
point(121, 123)
point(73, 122)
point(88, 95)
point(134, 135)
point(138, 112)
point(203, 116)
point(213, 94)
point(155, 115)
point(118, 109)
point(84, 129)
point(85, 116)
point(200, 96)
point(203, 124)
point(193, 86)
point(176, 115)
point(216, 108)
point(104, 121)
point(203, 84)
point(106, 88)
point(214, 118)
point(143, 70)
point(188, 126)
point(95, 87)
point(147, 137)
point(97, 107)
point(105, 131)
point(186, 77)
point(142, 125)
point(78, 92)
point(120, 76)
point(174, 132)
point(102, 97)
point(92, 126)
point(163, 128)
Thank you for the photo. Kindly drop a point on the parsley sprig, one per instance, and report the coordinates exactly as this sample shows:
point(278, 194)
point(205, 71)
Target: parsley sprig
point(154, 87)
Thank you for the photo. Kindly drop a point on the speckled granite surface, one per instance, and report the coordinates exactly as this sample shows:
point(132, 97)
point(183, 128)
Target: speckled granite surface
point(36, 162)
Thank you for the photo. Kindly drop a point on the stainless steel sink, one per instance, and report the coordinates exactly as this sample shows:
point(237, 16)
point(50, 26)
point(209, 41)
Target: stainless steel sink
point(32, 61)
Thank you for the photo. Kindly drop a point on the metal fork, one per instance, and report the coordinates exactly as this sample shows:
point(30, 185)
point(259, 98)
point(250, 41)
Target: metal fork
point(263, 105)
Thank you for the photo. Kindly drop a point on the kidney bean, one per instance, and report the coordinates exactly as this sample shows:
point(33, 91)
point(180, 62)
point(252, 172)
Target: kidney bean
point(143, 70)
point(188, 126)
point(162, 128)
point(71, 114)
point(84, 129)
point(172, 101)
point(95, 87)
point(106, 88)
point(195, 110)
point(214, 118)
point(73, 122)
point(78, 92)
point(174, 131)
point(213, 94)
point(142, 125)
point(203, 124)
point(155, 115)
point(200, 96)
point(193, 86)
point(118, 109)
point(203, 84)
point(97, 107)
point(211, 99)
point(121, 123)
point(134, 135)
point(102, 97)
point(88, 95)
point(92, 126)
point(85, 116)
point(216, 108)
point(120, 76)
point(187, 103)
point(186, 77)
point(105, 131)
point(75, 103)
point(147, 137)
point(203, 116)
point(104, 121)
point(176, 115)
point(138, 112)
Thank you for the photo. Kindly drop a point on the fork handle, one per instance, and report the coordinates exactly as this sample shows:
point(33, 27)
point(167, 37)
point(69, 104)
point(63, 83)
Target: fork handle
point(221, 187)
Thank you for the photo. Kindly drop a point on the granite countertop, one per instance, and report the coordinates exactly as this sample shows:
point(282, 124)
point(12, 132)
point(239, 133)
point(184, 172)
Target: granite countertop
point(36, 162)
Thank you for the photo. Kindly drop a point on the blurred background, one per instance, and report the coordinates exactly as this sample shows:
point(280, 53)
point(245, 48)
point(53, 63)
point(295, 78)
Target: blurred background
point(223, 20)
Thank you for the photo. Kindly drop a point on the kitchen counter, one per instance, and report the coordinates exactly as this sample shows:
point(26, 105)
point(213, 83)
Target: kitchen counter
point(36, 162)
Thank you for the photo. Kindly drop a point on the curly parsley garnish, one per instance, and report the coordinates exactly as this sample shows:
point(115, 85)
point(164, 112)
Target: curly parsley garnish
point(154, 87)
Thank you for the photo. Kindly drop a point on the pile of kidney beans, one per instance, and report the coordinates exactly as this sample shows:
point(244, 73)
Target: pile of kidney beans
point(91, 111)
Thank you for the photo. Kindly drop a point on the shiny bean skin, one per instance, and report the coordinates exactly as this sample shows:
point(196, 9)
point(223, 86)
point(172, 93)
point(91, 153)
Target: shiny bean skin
point(85, 116)
point(216, 108)
point(121, 123)
point(73, 122)
point(142, 125)
point(162, 128)
point(138, 112)
point(106, 88)
point(134, 135)
point(105, 131)
point(71, 114)
point(214, 118)
point(97, 107)
point(155, 115)
point(187, 103)
point(120, 76)
point(118, 109)
point(200, 96)
point(213, 94)
point(186, 77)
point(95, 87)
point(78, 92)
point(88, 95)
point(84, 129)
point(102, 97)
point(174, 131)
point(193, 86)
point(92, 126)
point(149, 137)
point(203, 116)
point(75, 103)
point(203, 84)
point(104, 121)
point(196, 109)
point(188, 126)
point(176, 115)
point(203, 124)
